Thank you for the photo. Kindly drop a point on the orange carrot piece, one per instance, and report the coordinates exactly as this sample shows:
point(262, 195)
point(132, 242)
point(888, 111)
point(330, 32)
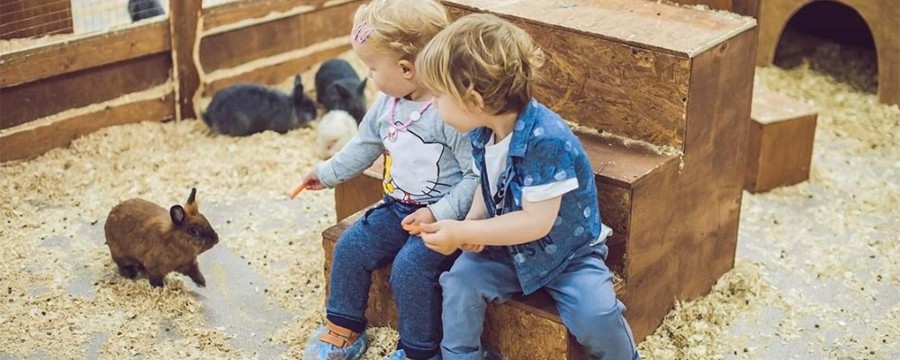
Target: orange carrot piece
point(297, 191)
point(411, 228)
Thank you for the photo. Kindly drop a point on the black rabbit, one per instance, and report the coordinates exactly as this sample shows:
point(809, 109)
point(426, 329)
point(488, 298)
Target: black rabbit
point(245, 109)
point(144, 9)
point(338, 87)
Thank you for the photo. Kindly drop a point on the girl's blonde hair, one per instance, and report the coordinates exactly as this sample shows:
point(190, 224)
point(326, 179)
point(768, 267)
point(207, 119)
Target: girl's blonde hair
point(401, 27)
point(485, 54)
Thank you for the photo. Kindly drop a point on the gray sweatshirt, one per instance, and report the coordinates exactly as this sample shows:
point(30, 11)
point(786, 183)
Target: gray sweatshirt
point(427, 163)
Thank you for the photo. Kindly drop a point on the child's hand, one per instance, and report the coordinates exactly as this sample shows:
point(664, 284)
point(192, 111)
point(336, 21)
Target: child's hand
point(471, 248)
point(441, 236)
point(418, 217)
point(311, 181)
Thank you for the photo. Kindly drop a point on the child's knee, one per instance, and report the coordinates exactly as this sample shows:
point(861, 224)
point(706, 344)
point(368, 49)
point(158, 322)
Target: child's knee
point(603, 330)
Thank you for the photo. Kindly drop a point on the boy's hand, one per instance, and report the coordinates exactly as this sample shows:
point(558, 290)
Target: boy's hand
point(442, 236)
point(417, 218)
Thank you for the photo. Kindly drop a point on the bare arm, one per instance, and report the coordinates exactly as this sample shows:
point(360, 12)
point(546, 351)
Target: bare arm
point(531, 223)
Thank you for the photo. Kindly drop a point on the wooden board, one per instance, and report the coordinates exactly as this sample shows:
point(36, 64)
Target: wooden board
point(184, 16)
point(743, 7)
point(264, 39)
point(278, 71)
point(236, 11)
point(19, 67)
point(627, 75)
point(34, 18)
point(882, 17)
point(684, 238)
point(52, 95)
point(26, 144)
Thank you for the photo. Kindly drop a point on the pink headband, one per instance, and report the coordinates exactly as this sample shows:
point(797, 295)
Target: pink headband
point(361, 32)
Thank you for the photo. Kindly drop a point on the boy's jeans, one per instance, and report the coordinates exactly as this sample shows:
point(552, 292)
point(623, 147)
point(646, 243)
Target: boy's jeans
point(583, 292)
point(372, 242)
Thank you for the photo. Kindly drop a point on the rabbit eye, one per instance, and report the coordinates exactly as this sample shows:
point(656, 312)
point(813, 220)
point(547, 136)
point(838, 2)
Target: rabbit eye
point(194, 231)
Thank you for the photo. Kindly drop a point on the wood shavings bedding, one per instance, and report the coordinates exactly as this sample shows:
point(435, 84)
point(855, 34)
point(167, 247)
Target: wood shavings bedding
point(816, 274)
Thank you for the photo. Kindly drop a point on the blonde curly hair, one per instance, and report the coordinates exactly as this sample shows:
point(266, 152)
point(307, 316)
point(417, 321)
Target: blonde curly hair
point(485, 54)
point(401, 27)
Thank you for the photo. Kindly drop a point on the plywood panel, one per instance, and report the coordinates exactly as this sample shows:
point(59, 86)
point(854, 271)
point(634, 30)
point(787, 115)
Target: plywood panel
point(83, 53)
point(33, 142)
point(630, 91)
point(232, 12)
point(38, 99)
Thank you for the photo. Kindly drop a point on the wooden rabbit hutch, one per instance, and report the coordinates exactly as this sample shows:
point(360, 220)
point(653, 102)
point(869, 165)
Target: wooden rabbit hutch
point(55, 89)
point(670, 88)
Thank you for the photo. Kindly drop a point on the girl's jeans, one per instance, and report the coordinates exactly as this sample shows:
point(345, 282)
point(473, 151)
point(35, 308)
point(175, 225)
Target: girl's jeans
point(372, 242)
point(584, 298)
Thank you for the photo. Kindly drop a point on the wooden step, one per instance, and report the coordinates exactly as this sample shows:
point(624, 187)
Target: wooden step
point(780, 145)
point(620, 171)
point(532, 317)
point(623, 66)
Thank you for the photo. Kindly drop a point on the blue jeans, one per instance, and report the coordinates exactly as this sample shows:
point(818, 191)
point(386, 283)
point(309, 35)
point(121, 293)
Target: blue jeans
point(584, 298)
point(373, 242)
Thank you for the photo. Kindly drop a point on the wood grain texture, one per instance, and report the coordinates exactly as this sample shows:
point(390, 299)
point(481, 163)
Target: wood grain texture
point(27, 144)
point(19, 67)
point(779, 151)
point(275, 73)
point(244, 44)
point(882, 17)
point(232, 12)
point(743, 7)
point(34, 18)
point(689, 230)
point(626, 90)
point(183, 19)
point(646, 24)
point(355, 194)
point(34, 100)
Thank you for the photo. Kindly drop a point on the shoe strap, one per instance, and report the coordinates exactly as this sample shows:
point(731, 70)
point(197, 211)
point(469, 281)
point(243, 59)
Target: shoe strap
point(339, 336)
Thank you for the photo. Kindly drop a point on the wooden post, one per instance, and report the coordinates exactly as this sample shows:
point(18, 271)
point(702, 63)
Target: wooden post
point(183, 18)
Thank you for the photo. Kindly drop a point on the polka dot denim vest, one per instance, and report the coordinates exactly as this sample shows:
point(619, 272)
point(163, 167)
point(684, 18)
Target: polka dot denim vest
point(544, 150)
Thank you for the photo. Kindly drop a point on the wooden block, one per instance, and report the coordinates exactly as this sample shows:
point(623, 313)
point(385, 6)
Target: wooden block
point(780, 146)
point(624, 66)
point(522, 328)
point(881, 16)
point(34, 18)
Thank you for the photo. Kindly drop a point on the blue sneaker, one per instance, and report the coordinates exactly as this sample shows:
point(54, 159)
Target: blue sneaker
point(401, 355)
point(332, 342)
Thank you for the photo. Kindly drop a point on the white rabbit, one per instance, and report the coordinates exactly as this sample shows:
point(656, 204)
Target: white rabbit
point(335, 130)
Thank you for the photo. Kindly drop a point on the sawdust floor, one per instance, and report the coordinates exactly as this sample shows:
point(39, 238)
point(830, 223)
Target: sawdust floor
point(816, 274)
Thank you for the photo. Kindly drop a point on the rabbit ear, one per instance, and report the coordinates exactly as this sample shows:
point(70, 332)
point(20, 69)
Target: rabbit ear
point(342, 90)
point(298, 82)
point(177, 214)
point(191, 204)
point(362, 86)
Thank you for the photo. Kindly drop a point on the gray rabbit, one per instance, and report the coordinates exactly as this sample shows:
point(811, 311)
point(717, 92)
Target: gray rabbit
point(245, 109)
point(144, 9)
point(338, 87)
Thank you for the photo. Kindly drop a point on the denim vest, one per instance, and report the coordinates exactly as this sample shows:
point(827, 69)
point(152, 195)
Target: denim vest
point(543, 150)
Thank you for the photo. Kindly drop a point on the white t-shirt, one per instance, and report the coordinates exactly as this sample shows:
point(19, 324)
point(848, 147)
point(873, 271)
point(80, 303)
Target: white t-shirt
point(495, 155)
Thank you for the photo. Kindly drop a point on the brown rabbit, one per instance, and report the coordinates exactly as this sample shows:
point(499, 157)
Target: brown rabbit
point(145, 237)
